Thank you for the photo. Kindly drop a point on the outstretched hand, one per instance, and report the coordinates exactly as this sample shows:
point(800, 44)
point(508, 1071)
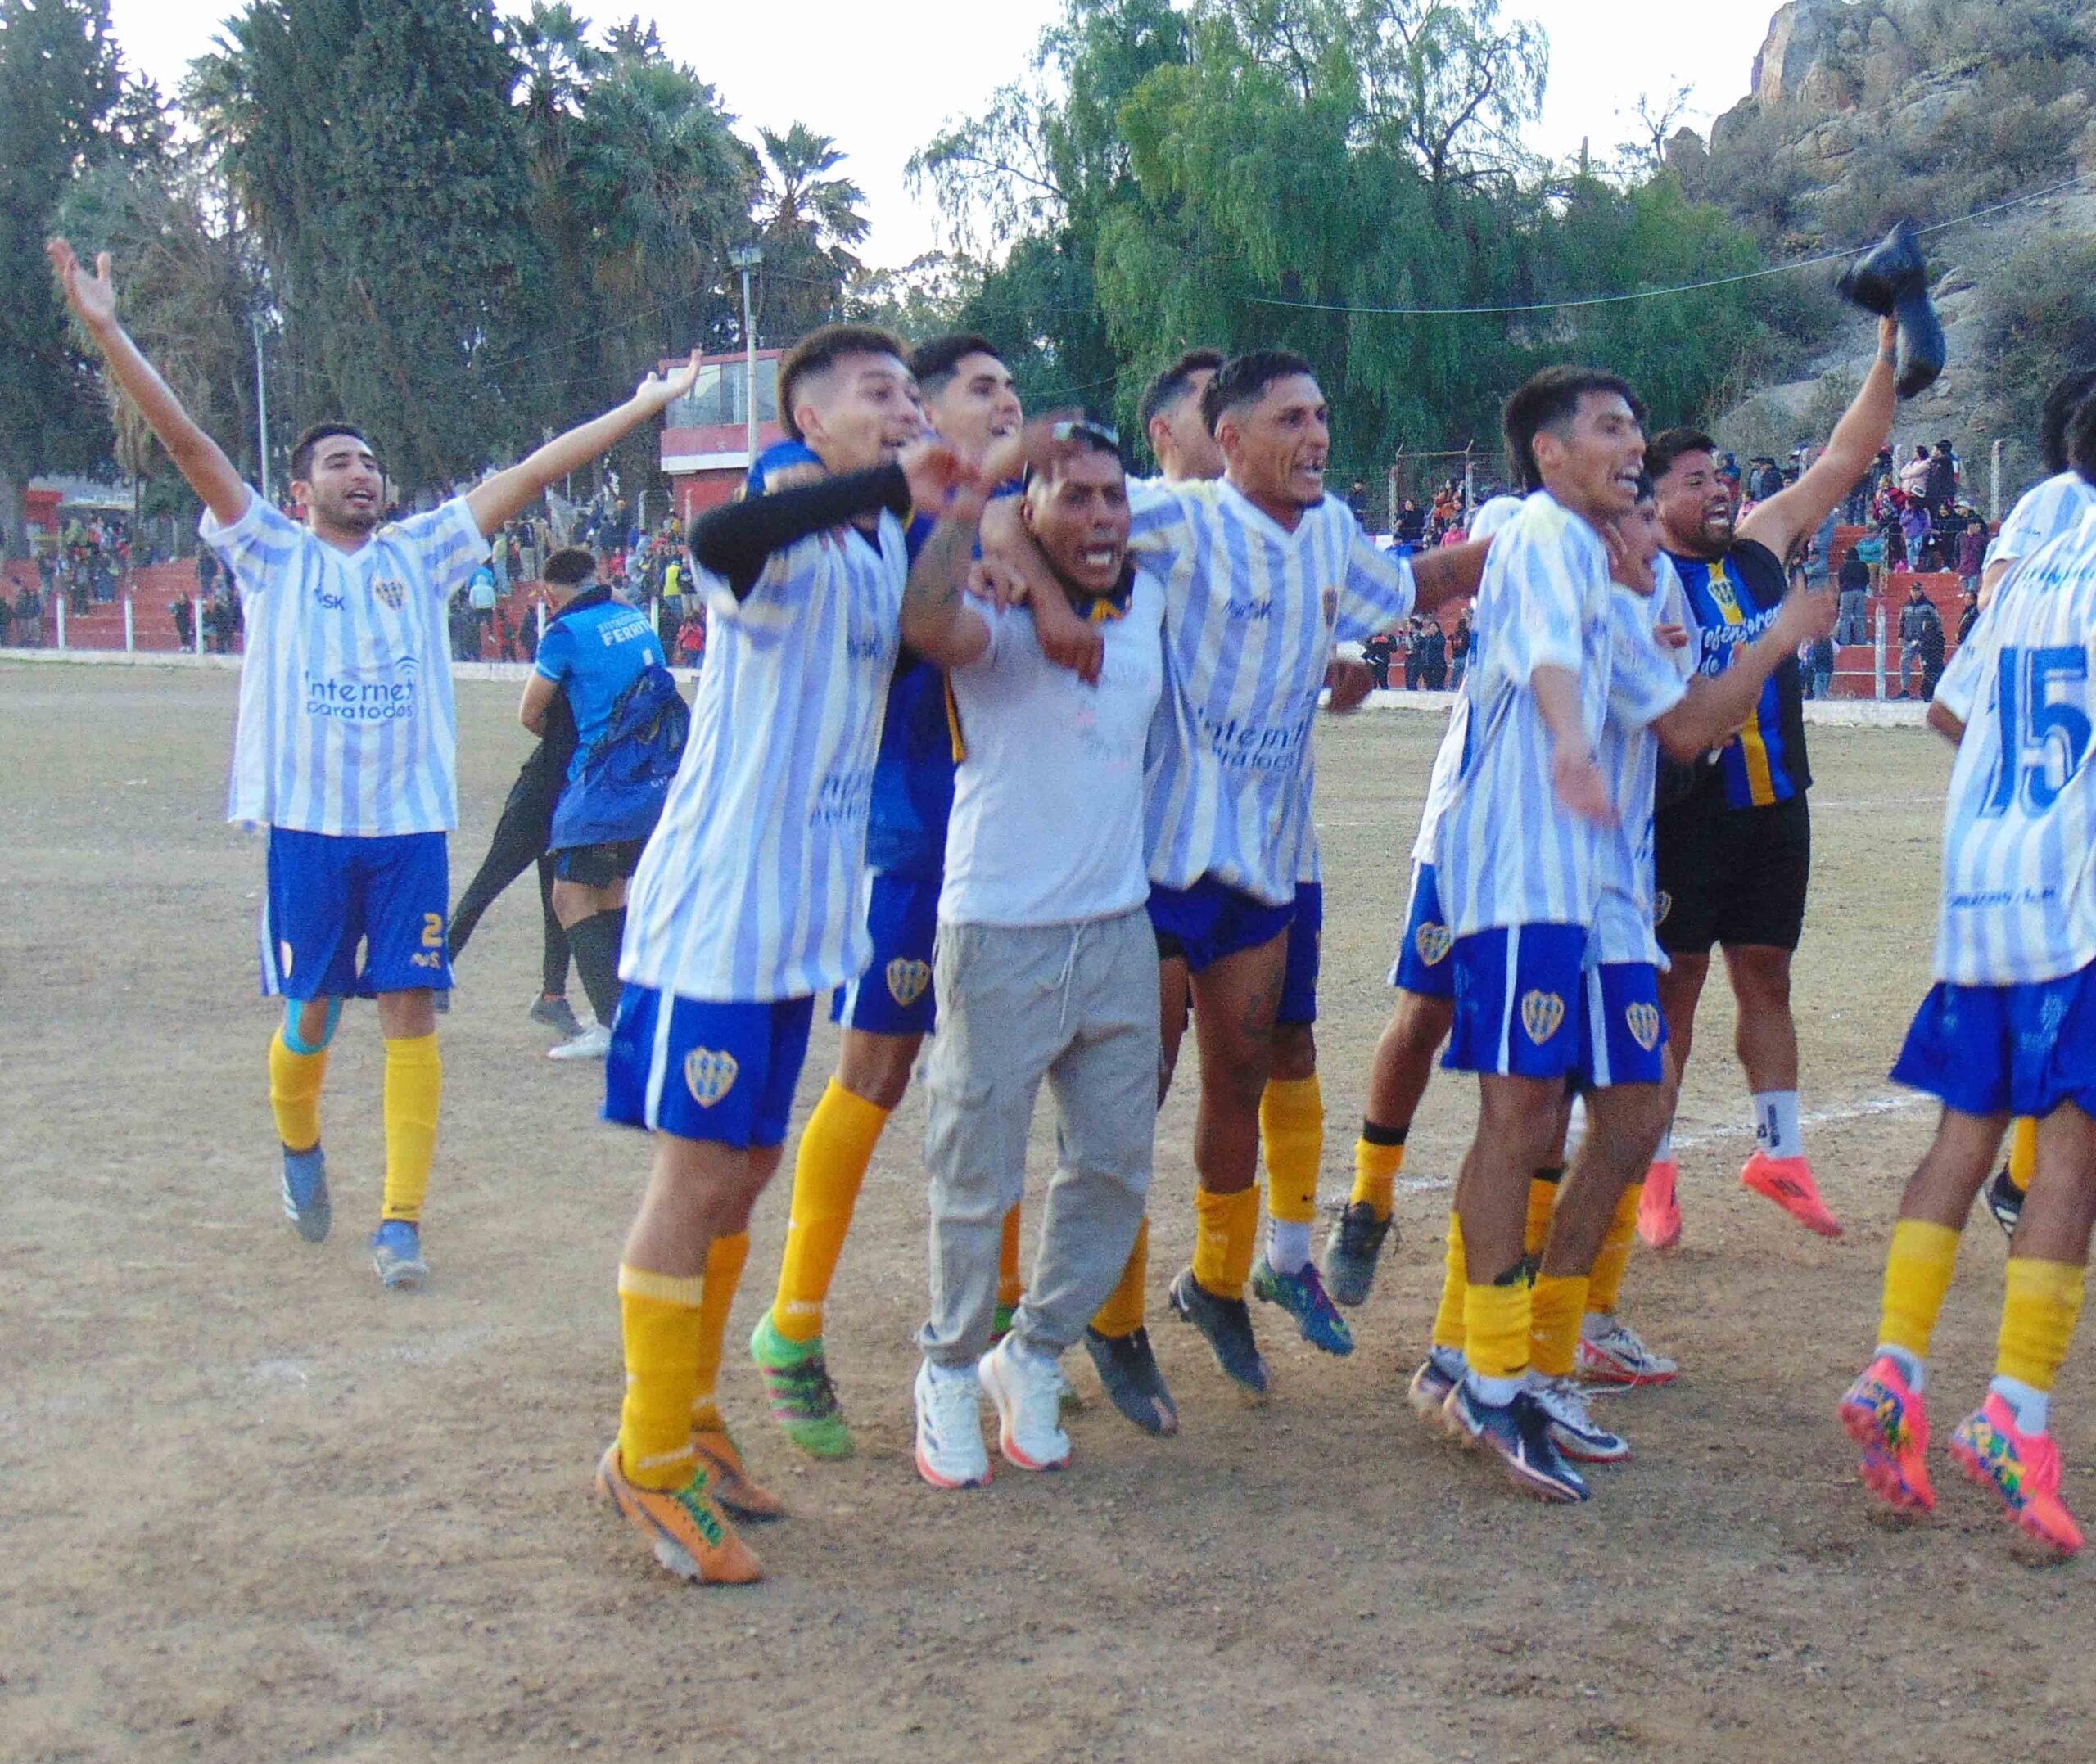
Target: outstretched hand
point(92, 298)
point(659, 391)
point(1033, 444)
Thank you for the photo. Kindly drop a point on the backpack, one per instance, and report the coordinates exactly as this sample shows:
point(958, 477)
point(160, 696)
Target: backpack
point(618, 793)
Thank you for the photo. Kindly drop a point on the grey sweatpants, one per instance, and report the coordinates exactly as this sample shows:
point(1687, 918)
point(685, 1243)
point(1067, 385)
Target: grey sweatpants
point(1076, 1004)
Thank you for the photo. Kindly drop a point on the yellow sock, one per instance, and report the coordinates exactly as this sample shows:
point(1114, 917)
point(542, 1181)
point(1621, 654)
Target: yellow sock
point(659, 1319)
point(294, 1081)
point(2022, 1152)
point(2039, 1306)
point(1496, 1329)
point(836, 1146)
point(414, 1088)
point(1606, 1284)
point(1292, 1134)
point(1554, 1309)
point(1449, 1315)
point(1918, 1272)
point(1226, 1232)
point(1011, 1288)
point(1123, 1312)
point(724, 1273)
point(1376, 1169)
point(1542, 1203)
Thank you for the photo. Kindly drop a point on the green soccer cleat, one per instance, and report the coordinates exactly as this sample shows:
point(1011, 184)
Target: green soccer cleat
point(803, 1401)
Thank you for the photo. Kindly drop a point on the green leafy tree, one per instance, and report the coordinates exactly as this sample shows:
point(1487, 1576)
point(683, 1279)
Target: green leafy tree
point(808, 223)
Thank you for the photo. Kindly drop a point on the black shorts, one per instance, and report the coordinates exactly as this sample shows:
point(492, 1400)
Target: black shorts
point(599, 866)
point(1731, 876)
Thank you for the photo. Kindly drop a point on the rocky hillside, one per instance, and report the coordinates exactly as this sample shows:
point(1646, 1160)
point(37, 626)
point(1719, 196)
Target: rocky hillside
point(1863, 111)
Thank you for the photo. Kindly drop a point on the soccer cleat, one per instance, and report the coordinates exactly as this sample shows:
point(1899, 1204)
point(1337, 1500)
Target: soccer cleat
point(1025, 1391)
point(1617, 1356)
point(593, 1043)
point(1303, 1296)
point(556, 1013)
point(1787, 1181)
point(1659, 1212)
point(1519, 1432)
point(687, 1530)
point(1576, 1432)
point(949, 1452)
point(397, 1256)
point(726, 1479)
point(1226, 1324)
point(2022, 1468)
point(2005, 1201)
point(1351, 1252)
point(803, 1401)
point(1127, 1368)
point(1887, 1419)
point(305, 1194)
point(1439, 1374)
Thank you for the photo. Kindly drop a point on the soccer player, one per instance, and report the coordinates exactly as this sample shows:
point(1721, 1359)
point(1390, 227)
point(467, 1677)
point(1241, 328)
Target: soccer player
point(2008, 1028)
point(597, 651)
point(1046, 964)
point(345, 746)
point(1734, 847)
point(889, 1008)
point(748, 901)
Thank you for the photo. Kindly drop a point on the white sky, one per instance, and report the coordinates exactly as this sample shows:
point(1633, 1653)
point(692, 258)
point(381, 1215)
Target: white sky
point(882, 96)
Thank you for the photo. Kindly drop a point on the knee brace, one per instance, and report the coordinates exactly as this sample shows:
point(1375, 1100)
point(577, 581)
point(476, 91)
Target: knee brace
point(293, 1007)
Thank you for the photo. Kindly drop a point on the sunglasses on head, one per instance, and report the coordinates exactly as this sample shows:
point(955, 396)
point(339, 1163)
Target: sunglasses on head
point(1087, 433)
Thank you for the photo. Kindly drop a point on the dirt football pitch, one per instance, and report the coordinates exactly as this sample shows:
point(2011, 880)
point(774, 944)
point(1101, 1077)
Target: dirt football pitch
point(253, 1508)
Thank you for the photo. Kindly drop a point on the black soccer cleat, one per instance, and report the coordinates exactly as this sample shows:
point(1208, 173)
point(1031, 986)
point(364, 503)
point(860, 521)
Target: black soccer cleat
point(1351, 1252)
point(1226, 1322)
point(1127, 1368)
point(2005, 1201)
point(1892, 281)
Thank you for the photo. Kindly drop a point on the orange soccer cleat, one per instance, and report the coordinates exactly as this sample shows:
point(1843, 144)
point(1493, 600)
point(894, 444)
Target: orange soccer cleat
point(728, 1482)
point(2023, 1469)
point(1787, 1181)
point(1887, 1417)
point(689, 1537)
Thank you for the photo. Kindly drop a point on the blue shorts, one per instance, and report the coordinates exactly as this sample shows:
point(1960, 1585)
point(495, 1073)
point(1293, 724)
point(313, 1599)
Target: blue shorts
point(1518, 992)
point(703, 1071)
point(328, 893)
point(1623, 1036)
point(1201, 925)
point(2006, 1050)
point(1422, 965)
point(1299, 985)
point(893, 997)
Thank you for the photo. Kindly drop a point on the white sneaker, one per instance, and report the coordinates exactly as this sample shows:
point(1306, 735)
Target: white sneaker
point(1616, 1356)
point(593, 1043)
point(1576, 1433)
point(1027, 1392)
point(949, 1452)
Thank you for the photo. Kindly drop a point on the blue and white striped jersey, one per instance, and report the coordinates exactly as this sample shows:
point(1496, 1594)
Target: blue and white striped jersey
point(2019, 828)
point(1510, 853)
point(346, 722)
point(1251, 612)
point(1646, 680)
point(1448, 757)
point(2044, 512)
point(751, 890)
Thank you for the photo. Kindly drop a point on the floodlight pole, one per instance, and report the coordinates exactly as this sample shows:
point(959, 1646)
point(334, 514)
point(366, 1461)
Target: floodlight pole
point(745, 258)
point(261, 402)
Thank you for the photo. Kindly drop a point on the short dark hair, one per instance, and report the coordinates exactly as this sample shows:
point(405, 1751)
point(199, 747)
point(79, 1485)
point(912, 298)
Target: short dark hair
point(2060, 404)
point(935, 361)
point(2081, 439)
point(1240, 381)
point(571, 566)
point(821, 349)
point(302, 448)
point(1669, 445)
point(1549, 399)
point(1075, 437)
point(1173, 383)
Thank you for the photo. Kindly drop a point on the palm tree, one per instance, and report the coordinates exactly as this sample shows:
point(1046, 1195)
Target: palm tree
point(807, 221)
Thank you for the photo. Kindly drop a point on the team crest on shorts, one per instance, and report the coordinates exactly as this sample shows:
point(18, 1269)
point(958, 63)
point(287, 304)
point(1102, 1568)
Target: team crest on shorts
point(392, 594)
point(1643, 1020)
point(710, 1074)
point(1432, 942)
point(1541, 1014)
point(907, 980)
point(1662, 904)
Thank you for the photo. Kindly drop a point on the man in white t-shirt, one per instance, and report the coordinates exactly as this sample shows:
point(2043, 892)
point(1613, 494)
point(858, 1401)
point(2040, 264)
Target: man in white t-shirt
point(345, 746)
point(1045, 966)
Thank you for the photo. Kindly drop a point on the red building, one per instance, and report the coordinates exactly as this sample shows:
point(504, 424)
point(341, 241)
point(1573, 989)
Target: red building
point(706, 436)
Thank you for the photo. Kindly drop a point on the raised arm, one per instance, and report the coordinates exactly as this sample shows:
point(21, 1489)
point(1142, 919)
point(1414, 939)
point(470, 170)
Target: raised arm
point(1790, 515)
point(509, 494)
point(200, 460)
